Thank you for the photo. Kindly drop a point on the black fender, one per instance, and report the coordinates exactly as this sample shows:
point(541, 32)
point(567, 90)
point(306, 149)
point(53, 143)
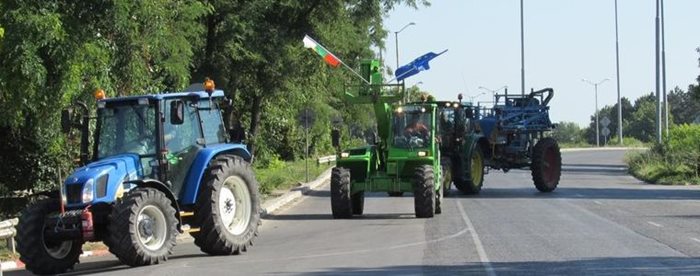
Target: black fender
point(162, 187)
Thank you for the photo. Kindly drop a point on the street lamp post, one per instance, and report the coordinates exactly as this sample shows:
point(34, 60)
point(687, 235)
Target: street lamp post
point(396, 37)
point(597, 125)
point(471, 98)
point(617, 69)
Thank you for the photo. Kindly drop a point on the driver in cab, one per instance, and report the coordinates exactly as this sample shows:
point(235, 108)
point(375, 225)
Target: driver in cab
point(416, 129)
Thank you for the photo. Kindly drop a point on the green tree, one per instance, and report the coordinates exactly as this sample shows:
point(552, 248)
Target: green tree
point(253, 49)
point(56, 52)
point(643, 120)
point(567, 132)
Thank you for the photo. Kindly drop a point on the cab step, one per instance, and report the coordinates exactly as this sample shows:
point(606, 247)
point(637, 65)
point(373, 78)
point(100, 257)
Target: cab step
point(186, 214)
point(187, 229)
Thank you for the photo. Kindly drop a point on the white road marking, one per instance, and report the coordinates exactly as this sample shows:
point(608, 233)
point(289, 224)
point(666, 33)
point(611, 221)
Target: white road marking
point(597, 202)
point(477, 242)
point(695, 239)
point(578, 195)
point(655, 224)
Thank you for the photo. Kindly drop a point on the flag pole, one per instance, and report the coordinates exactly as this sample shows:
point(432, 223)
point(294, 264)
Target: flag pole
point(340, 60)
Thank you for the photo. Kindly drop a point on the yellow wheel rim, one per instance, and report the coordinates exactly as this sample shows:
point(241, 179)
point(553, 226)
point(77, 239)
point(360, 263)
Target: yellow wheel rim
point(477, 172)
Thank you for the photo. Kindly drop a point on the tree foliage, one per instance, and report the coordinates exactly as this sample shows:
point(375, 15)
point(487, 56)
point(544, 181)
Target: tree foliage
point(53, 53)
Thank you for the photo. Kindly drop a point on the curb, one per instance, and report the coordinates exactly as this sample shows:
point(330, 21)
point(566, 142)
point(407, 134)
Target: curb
point(274, 204)
point(603, 149)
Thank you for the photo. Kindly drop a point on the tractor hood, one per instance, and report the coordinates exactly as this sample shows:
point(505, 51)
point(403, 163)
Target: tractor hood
point(101, 180)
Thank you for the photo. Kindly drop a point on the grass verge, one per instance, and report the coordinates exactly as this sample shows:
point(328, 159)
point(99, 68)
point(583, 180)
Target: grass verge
point(281, 176)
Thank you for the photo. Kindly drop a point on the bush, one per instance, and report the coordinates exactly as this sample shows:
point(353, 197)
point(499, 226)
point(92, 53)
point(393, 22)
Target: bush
point(675, 161)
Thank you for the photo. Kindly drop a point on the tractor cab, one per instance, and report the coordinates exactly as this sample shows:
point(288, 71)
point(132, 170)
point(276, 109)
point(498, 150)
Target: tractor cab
point(146, 137)
point(414, 141)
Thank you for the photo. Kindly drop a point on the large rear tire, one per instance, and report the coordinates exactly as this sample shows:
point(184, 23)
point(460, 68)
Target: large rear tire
point(424, 192)
point(474, 180)
point(358, 203)
point(143, 228)
point(546, 165)
point(439, 194)
point(341, 201)
point(38, 255)
point(227, 211)
point(447, 178)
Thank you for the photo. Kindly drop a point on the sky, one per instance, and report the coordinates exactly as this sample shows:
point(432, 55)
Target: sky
point(565, 41)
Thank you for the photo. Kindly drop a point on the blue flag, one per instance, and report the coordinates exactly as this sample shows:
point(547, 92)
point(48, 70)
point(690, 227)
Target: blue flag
point(417, 65)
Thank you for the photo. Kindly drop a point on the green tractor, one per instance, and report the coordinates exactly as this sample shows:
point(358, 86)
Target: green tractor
point(404, 158)
point(461, 154)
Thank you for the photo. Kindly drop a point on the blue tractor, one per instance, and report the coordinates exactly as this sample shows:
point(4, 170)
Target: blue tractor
point(159, 165)
point(514, 137)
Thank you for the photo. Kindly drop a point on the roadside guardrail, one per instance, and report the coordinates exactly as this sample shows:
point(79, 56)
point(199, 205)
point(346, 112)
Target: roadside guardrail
point(8, 232)
point(326, 159)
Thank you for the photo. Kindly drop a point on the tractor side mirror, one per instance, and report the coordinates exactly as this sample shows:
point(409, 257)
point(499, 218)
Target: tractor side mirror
point(177, 112)
point(66, 120)
point(335, 138)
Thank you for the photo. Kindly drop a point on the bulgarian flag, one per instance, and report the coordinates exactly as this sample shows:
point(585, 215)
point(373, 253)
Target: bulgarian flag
point(327, 56)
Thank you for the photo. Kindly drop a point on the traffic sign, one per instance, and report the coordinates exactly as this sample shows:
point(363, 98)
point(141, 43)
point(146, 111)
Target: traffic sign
point(605, 131)
point(306, 118)
point(605, 122)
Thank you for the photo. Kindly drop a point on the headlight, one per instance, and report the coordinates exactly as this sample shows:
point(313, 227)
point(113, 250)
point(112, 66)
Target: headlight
point(422, 153)
point(344, 154)
point(88, 190)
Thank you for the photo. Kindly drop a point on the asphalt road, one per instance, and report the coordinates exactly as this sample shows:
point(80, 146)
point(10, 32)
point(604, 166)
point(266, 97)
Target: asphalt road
point(599, 221)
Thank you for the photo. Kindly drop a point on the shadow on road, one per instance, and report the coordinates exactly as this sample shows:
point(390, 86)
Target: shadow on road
point(585, 193)
point(598, 266)
point(330, 217)
point(595, 169)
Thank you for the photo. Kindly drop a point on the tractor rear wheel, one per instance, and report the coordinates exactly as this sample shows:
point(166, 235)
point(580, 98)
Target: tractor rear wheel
point(446, 165)
point(358, 203)
point(424, 192)
point(143, 228)
point(474, 173)
point(546, 165)
point(341, 201)
point(439, 194)
point(227, 210)
point(38, 255)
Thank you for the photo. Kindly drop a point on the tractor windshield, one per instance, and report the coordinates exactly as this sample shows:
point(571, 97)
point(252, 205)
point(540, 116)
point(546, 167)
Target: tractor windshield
point(412, 128)
point(126, 128)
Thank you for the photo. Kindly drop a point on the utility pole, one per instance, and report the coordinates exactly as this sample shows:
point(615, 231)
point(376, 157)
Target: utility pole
point(617, 68)
point(663, 66)
point(658, 81)
point(522, 49)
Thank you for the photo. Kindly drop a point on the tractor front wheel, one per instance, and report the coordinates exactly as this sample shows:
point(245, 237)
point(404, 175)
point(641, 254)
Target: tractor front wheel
point(41, 256)
point(143, 228)
point(341, 201)
point(546, 165)
point(228, 207)
point(424, 192)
